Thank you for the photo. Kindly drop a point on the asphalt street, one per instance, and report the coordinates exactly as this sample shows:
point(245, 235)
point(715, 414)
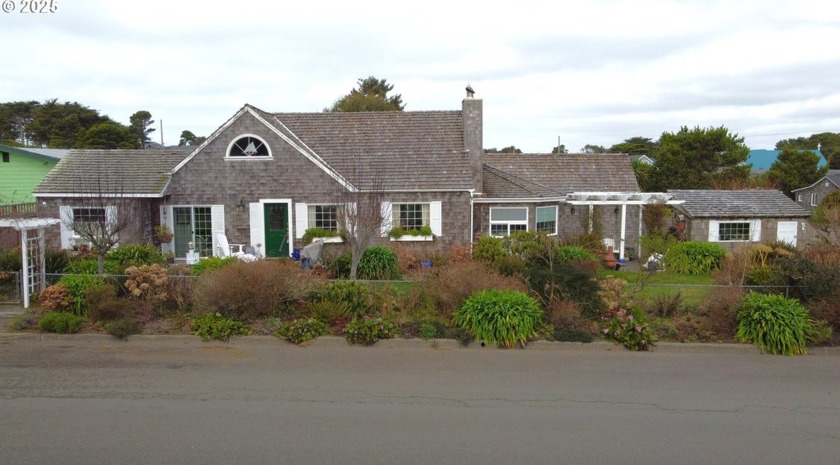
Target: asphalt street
point(154, 400)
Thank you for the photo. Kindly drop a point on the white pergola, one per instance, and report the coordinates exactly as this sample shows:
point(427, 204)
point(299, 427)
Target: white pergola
point(622, 199)
point(32, 266)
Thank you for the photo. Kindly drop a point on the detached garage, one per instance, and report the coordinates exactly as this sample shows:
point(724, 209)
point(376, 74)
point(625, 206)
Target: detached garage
point(732, 218)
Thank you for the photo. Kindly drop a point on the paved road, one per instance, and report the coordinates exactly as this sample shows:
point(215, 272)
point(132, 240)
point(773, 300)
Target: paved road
point(257, 400)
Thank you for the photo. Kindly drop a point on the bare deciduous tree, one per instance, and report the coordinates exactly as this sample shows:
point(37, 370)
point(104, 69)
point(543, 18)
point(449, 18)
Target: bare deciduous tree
point(362, 213)
point(100, 216)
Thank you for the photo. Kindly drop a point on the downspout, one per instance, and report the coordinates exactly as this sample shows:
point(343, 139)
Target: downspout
point(472, 217)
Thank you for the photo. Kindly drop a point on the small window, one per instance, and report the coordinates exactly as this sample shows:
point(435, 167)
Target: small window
point(89, 215)
point(814, 202)
point(5, 157)
point(547, 220)
point(799, 198)
point(248, 147)
point(323, 216)
point(734, 231)
point(507, 220)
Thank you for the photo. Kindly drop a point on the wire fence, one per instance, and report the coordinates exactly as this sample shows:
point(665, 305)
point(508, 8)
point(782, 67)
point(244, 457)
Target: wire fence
point(9, 287)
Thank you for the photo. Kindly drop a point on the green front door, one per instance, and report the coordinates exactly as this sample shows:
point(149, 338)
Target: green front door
point(276, 229)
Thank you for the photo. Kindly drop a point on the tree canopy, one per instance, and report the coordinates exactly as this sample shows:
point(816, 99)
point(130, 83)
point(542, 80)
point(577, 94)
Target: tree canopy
point(828, 143)
point(699, 158)
point(635, 146)
point(107, 135)
point(592, 148)
point(508, 149)
point(371, 95)
point(560, 149)
point(139, 125)
point(795, 168)
point(188, 138)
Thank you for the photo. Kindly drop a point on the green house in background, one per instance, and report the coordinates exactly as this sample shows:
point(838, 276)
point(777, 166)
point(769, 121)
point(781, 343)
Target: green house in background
point(23, 168)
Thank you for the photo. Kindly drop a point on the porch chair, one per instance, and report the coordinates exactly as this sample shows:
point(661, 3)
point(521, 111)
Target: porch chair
point(227, 249)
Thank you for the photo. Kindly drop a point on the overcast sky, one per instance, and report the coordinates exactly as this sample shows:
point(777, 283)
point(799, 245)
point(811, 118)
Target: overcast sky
point(588, 72)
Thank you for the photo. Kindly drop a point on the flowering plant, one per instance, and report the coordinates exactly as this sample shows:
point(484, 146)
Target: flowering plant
point(629, 329)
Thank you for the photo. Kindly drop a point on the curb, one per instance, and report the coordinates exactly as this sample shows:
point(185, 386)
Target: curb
point(399, 343)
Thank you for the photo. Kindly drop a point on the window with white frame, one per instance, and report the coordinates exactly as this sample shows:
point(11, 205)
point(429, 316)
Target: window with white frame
point(410, 216)
point(323, 216)
point(734, 231)
point(507, 220)
point(90, 220)
point(547, 219)
point(799, 197)
point(248, 146)
point(814, 200)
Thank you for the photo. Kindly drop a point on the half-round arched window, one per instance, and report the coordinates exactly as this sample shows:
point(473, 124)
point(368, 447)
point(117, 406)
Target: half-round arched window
point(247, 146)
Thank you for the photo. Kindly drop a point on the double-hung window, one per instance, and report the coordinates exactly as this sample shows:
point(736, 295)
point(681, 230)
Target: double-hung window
point(507, 220)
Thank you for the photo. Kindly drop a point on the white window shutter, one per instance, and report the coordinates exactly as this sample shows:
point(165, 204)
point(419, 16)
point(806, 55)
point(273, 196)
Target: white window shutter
point(256, 225)
point(714, 231)
point(301, 219)
point(66, 216)
point(387, 219)
point(436, 217)
point(111, 220)
point(218, 225)
point(755, 231)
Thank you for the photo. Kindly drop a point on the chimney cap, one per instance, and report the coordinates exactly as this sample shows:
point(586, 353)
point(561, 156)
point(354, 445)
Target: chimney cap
point(470, 91)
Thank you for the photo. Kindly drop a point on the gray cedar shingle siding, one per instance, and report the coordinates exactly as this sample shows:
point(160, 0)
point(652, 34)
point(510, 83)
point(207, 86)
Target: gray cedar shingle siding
point(125, 172)
point(738, 204)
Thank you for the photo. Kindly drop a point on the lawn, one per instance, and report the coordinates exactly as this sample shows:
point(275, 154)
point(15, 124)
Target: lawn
point(694, 289)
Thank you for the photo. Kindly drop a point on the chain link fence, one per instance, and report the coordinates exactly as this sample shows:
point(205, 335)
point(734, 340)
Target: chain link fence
point(9, 287)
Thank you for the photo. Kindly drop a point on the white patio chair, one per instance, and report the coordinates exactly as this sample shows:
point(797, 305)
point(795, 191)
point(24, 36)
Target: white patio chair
point(227, 249)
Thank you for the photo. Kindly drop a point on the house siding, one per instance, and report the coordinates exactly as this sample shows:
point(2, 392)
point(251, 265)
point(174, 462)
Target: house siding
point(210, 178)
point(697, 229)
point(20, 175)
point(821, 189)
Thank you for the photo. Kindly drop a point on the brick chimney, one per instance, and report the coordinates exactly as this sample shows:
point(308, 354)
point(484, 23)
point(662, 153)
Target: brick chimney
point(472, 114)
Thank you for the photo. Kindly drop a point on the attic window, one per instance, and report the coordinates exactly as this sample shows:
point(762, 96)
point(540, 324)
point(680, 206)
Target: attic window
point(248, 146)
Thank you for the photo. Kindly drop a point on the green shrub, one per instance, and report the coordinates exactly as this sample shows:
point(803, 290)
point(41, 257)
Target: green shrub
point(366, 331)
point(56, 260)
point(573, 253)
point(83, 266)
point(398, 232)
point(510, 265)
point(60, 322)
point(565, 281)
point(124, 256)
point(356, 297)
point(629, 329)
point(489, 249)
point(122, 328)
point(430, 331)
point(216, 326)
point(10, 259)
point(657, 243)
point(313, 233)
point(299, 331)
point(694, 257)
point(78, 286)
point(449, 287)
point(773, 323)
point(328, 311)
point(212, 263)
point(377, 262)
point(502, 317)
point(104, 305)
point(820, 333)
point(572, 335)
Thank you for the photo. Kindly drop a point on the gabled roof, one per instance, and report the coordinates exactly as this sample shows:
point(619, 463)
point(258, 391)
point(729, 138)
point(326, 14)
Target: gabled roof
point(552, 175)
point(129, 173)
point(762, 159)
point(388, 150)
point(738, 204)
point(46, 154)
point(833, 177)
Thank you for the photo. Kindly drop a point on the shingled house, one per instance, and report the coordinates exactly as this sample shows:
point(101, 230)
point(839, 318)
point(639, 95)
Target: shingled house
point(265, 178)
point(734, 217)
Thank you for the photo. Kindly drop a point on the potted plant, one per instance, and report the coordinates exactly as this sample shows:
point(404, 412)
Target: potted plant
point(163, 234)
